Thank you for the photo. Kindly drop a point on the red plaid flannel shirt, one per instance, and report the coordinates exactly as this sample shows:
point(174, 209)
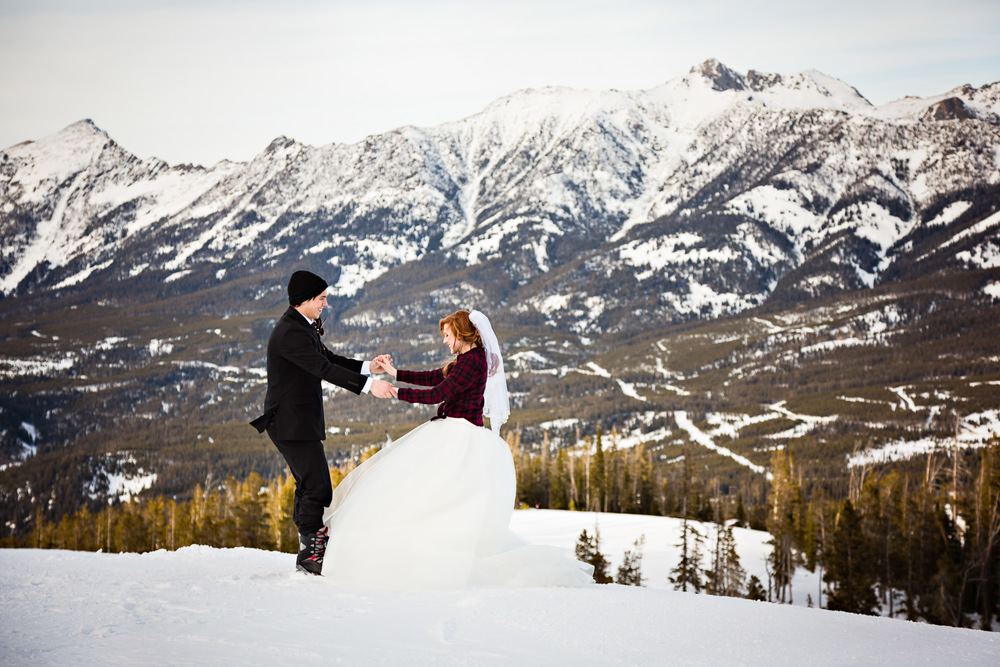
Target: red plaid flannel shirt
point(460, 394)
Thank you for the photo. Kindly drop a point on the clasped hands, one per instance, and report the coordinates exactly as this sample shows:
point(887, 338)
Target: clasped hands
point(381, 388)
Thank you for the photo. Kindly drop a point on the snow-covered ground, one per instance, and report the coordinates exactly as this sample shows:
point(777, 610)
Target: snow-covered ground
point(201, 605)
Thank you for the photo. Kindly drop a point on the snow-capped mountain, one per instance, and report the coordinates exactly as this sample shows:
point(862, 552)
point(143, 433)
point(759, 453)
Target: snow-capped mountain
point(709, 194)
point(136, 297)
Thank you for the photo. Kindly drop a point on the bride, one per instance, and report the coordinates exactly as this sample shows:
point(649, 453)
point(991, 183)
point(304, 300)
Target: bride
point(431, 510)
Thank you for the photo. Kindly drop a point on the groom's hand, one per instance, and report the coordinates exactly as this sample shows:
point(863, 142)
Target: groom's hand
point(383, 389)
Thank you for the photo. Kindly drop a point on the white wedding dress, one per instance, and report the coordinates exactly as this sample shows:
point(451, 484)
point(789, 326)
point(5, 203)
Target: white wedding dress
point(432, 510)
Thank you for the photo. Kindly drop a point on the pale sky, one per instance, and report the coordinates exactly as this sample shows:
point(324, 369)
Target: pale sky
point(204, 80)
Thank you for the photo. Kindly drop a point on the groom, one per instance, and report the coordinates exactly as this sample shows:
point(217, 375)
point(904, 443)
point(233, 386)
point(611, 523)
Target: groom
point(297, 362)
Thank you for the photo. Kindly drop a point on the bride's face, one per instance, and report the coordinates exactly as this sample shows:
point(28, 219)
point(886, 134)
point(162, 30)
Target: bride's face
point(454, 344)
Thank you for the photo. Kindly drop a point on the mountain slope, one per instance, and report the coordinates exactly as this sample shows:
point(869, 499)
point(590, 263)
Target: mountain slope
point(717, 245)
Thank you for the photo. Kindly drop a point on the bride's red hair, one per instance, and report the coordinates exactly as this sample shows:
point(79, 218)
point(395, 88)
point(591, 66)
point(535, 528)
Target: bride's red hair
point(464, 330)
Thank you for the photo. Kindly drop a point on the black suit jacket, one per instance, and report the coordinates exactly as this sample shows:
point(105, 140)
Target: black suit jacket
point(297, 362)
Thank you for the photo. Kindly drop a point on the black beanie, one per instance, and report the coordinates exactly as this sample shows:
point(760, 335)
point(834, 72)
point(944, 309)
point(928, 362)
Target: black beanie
point(303, 286)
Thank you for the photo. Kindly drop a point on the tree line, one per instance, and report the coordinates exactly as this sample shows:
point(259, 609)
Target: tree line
point(249, 513)
point(594, 478)
point(921, 547)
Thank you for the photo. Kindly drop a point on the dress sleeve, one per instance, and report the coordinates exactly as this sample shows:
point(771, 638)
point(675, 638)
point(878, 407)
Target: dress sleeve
point(461, 377)
point(422, 378)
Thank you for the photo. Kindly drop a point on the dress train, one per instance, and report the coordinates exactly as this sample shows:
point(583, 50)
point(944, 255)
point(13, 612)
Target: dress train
point(432, 510)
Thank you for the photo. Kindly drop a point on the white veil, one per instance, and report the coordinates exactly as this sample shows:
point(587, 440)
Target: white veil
point(496, 404)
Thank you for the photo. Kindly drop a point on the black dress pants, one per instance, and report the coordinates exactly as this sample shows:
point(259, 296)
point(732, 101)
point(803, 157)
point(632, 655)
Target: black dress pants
point(313, 489)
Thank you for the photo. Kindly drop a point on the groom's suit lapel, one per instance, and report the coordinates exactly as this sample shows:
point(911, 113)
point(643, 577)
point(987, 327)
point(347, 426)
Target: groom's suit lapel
point(299, 320)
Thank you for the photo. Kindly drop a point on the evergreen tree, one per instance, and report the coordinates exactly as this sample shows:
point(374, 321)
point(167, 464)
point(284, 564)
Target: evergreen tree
point(931, 552)
point(784, 523)
point(727, 576)
point(130, 531)
point(588, 550)
point(811, 538)
point(559, 498)
point(741, 512)
point(982, 562)
point(544, 478)
point(630, 571)
point(647, 483)
point(153, 519)
point(755, 589)
point(174, 527)
point(202, 521)
point(250, 514)
point(278, 508)
point(575, 469)
point(849, 568)
point(688, 573)
point(883, 524)
point(597, 476)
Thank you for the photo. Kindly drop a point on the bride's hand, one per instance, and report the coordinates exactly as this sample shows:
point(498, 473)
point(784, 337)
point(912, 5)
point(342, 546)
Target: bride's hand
point(383, 364)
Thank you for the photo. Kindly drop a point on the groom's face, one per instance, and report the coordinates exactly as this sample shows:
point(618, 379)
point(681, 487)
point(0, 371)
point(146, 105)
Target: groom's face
point(314, 306)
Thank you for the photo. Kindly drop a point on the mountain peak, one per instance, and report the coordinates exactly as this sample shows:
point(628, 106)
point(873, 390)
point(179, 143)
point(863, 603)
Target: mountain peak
point(85, 129)
point(722, 77)
point(81, 133)
point(950, 108)
point(81, 137)
point(279, 143)
point(88, 124)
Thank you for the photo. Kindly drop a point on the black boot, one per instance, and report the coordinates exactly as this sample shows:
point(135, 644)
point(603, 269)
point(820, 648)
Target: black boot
point(312, 546)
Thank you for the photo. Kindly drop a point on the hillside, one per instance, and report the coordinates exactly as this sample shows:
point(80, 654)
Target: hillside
point(90, 392)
